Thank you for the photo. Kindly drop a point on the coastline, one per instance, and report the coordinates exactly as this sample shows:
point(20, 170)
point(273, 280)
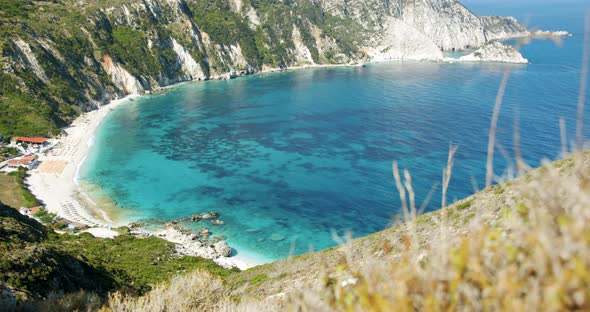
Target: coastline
point(75, 145)
point(60, 191)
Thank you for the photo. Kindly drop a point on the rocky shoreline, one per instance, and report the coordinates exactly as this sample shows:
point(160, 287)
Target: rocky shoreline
point(200, 244)
point(495, 51)
point(61, 194)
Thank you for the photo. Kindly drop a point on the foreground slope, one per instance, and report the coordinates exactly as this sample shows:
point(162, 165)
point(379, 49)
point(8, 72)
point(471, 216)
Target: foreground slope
point(522, 238)
point(36, 262)
point(520, 245)
point(62, 57)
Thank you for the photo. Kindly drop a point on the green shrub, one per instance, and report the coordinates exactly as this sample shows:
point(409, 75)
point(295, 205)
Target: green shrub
point(33, 258)
point(28, 198)
point(45, 216)
point(464, 205)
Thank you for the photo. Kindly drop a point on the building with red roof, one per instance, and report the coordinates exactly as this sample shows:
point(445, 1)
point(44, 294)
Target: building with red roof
point(34, 140)
point(27, 161)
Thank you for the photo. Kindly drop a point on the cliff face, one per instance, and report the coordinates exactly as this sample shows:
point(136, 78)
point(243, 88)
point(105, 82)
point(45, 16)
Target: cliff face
point(501, 27)
point(495, 52)
point(69, 56)
point(415, 29)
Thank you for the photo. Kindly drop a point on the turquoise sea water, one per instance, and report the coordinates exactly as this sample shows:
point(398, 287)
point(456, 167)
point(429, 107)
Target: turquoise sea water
point(290, 159)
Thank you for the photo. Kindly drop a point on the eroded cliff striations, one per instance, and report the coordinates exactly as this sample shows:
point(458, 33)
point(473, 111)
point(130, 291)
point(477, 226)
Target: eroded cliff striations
point(69, 56)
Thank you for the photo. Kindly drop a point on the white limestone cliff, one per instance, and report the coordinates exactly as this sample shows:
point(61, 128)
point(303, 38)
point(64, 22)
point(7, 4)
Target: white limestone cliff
point(403, 42)
point(495, 51)
point(503, 27)
point(447, 23)
point(420, 30)
point(121, 77)
point(31, 59)
point(190, 67)
point(302, 53)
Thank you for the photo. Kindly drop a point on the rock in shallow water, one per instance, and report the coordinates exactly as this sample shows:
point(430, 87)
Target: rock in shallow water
point(222, 248)
point(217, 222)
point(209, 215)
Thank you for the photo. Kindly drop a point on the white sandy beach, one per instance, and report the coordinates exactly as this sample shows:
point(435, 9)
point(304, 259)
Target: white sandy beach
point(59, 191)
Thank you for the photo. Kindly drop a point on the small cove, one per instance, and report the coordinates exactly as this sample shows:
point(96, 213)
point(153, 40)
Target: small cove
point(292, 159)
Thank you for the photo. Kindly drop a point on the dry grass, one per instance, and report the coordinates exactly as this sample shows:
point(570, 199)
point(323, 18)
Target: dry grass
point(534, 256)
point(525, 246)
point(197, 291)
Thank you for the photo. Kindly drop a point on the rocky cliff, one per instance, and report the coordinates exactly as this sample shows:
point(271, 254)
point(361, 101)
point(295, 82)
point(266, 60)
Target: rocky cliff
point(495, 52)
point(420, 30)
point(62, 57)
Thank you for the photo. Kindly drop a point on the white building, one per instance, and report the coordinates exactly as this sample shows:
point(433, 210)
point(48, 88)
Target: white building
point(27, 161)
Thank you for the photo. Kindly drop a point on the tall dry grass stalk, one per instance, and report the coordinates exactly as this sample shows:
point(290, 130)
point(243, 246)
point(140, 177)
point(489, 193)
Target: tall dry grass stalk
point(401, 190)
point(447, 172)
point(493, 128)
point(563, 136)
point(496, 115)
point(583, 85)
point(521, 165)
point(408, 203)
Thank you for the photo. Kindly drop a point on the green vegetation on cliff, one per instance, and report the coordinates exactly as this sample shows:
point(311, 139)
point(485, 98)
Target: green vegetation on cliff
point(225, 27)
point(52, 52)
point(35, 261)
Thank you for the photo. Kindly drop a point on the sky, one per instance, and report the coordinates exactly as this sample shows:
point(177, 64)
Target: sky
point(500, 2)
point(505, 4)
point(543, 14)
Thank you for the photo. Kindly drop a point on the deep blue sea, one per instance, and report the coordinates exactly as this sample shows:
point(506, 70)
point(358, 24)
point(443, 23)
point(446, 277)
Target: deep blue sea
point(290, 159)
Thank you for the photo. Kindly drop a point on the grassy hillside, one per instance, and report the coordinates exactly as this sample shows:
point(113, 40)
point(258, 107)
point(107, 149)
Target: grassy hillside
point(520, 245)
point(36, 262)
point(13, 191)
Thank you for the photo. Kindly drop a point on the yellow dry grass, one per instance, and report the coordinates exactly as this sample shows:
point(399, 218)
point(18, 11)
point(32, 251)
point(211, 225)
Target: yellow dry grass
point(520, 246)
